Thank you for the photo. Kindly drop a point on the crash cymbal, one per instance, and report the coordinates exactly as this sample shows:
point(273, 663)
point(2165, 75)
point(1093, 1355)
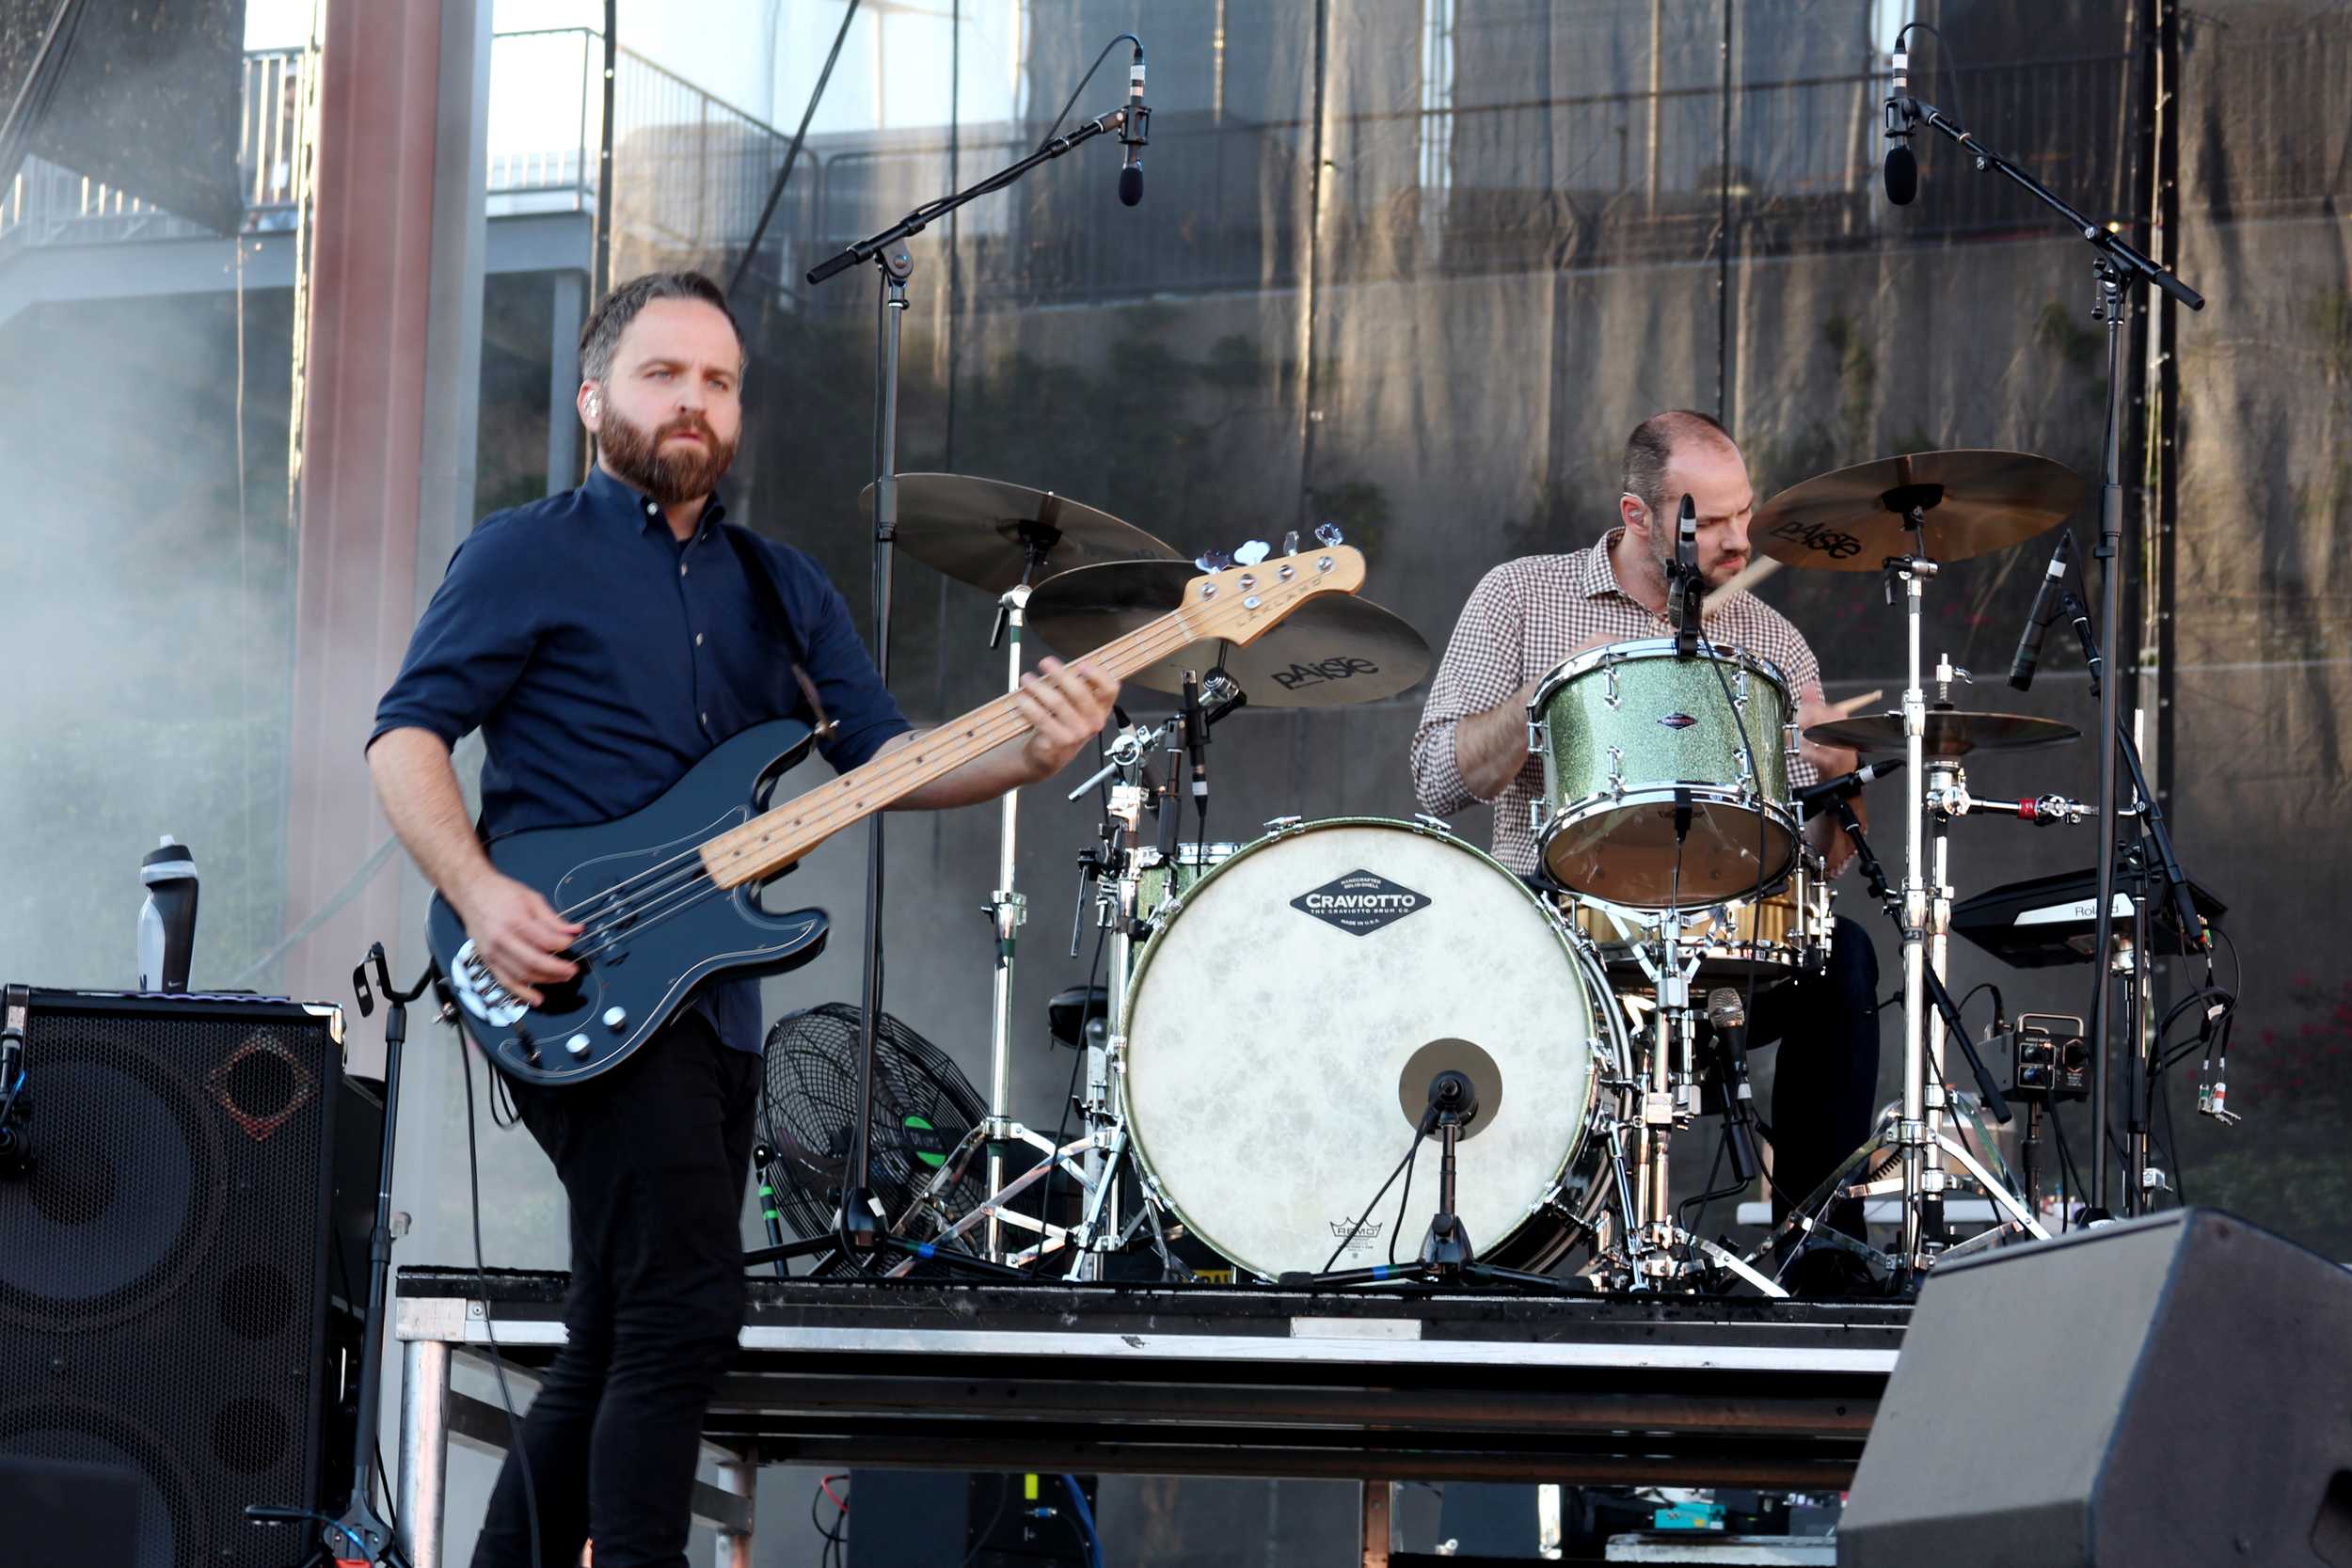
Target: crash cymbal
point(1950, 733)
point(980, 530)
point(1333, 650)
point(1852, 519)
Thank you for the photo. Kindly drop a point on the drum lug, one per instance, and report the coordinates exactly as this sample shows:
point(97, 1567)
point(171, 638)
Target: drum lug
point(1739, 687)
point(1747, 774)
point(1436, 825)
point(1616, 773)
point(1609, 679)
point(1790, 744)
point(1535, 816)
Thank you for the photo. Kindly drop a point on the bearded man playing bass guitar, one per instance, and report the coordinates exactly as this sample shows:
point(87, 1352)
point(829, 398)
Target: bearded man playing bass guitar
point(604, 641)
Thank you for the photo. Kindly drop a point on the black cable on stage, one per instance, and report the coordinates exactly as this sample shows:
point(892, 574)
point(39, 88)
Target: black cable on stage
point(1421, 1131)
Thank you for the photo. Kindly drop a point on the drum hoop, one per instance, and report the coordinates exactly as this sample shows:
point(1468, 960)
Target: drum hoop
point(1583, 959)
point(1653, 647)
point(1773, 811)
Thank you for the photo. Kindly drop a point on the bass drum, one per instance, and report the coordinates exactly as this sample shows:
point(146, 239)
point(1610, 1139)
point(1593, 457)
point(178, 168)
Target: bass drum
point(1284, 1024)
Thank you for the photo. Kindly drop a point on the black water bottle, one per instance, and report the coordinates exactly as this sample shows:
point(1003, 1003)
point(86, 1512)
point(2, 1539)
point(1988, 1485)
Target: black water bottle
point(167, 919)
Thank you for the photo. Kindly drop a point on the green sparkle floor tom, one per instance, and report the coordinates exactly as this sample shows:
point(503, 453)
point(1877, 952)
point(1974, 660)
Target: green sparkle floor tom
point(1665, 779)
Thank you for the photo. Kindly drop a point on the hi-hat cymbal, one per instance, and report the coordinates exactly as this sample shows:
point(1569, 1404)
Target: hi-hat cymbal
point(1950, 733)
point(1332, 650)
point(982, 531)
point(1975, 502)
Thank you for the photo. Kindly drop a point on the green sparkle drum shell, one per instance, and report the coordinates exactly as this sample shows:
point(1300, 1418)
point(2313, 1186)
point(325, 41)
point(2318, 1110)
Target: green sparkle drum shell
point(1630, 735)
point(1157, 883)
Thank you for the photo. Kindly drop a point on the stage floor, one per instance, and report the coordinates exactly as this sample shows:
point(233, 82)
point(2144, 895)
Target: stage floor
point(1369, 1386)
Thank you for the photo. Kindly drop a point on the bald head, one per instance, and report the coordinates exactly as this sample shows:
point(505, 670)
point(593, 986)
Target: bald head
point(1683, 452)
point(1651, 450)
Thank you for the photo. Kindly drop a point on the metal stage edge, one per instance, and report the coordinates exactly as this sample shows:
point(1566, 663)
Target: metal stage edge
point(1376, 1387)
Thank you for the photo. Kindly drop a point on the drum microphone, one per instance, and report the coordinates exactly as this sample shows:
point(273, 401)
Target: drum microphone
point(2045, 608)
point(1729, 1018)
point(1133, 127)
point(1815, 799)
point(1684, 570)
point(1902, 169)
point(1196, 738)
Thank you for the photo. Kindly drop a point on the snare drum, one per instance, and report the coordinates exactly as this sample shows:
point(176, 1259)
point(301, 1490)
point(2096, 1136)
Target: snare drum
point(1786, 932)
point(1286, 1018)
point(1665, 779)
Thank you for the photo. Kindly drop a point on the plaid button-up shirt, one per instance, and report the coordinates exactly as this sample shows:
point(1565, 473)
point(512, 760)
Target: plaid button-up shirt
point(1524, 619)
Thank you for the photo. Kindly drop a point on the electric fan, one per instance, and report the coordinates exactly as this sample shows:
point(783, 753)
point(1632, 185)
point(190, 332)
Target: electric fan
point(923, 1106)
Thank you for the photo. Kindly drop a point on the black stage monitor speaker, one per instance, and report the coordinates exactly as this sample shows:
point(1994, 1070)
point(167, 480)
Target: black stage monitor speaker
point(165, 1260)
point(2175, 1392)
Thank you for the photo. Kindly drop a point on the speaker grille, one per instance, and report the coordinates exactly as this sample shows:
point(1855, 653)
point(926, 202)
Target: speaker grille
point(162, 1263)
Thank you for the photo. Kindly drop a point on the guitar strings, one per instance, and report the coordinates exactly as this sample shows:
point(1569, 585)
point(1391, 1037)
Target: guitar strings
point(633, 907)
point(887, 774)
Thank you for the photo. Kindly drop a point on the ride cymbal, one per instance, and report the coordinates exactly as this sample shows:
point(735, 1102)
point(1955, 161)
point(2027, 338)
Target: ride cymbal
point(1973, 503)
point(1950, 733)
point(1333, 650)
point(986, 532)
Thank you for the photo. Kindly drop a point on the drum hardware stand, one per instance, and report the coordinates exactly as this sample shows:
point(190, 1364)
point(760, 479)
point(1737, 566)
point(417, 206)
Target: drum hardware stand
point(1657, 1250)
point(1922, 1210)
point(2119, 262)
point(1008, 910)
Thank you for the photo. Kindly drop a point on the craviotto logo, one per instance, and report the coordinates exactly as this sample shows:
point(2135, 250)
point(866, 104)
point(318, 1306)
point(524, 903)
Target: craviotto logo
point(1361, 902)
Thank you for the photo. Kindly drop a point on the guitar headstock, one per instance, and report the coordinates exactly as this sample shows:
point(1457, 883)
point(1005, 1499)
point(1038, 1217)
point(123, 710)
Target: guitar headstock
point(1241, 603)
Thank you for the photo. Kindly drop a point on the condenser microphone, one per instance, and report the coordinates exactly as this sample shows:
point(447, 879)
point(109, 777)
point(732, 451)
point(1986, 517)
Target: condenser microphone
point(1902, 169)
point(1133, 134)
point(1688, 586)
point(2045, 608)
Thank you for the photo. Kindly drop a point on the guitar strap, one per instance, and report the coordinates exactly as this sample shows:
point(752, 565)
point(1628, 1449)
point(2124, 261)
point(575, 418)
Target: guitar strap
point(761, 568)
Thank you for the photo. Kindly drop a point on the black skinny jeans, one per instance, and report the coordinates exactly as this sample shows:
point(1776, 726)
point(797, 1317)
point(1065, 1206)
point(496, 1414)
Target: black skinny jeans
point(653, 1156)
point(1825, 1081)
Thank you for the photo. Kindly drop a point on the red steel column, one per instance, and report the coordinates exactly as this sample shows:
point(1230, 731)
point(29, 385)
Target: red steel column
point(356, 589)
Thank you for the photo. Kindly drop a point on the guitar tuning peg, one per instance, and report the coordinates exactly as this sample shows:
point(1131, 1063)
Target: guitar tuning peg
point(1290, 542)
point(1252, 552)
point(1214, 560)
point(1329, 533)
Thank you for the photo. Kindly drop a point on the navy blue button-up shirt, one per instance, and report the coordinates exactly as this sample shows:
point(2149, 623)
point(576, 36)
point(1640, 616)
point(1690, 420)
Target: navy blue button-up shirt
point(601, 657)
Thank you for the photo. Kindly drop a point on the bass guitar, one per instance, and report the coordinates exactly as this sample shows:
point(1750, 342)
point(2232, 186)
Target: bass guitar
point(667, 897)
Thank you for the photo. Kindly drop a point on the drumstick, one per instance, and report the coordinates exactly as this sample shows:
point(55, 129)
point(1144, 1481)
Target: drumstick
point(1753, 573)
point(1851, 704)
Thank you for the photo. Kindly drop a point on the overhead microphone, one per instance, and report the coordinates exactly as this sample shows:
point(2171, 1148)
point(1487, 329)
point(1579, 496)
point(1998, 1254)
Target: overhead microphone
point(1133, 133)
point(1902, 169)
point(2045, 610)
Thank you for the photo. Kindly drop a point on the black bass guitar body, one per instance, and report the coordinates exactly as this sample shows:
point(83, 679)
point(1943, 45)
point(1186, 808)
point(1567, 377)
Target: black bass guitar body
point(655, 924)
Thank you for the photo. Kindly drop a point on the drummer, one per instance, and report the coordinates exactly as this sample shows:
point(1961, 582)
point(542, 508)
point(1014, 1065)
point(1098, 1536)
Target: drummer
point(1527, 616)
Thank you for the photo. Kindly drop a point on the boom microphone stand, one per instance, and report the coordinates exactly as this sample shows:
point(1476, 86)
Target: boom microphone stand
point(2119, 262)
point(860, 1224)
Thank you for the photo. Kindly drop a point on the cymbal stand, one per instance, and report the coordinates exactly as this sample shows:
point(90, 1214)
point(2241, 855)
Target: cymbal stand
point(1007, 909)
point(1092, 1159)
